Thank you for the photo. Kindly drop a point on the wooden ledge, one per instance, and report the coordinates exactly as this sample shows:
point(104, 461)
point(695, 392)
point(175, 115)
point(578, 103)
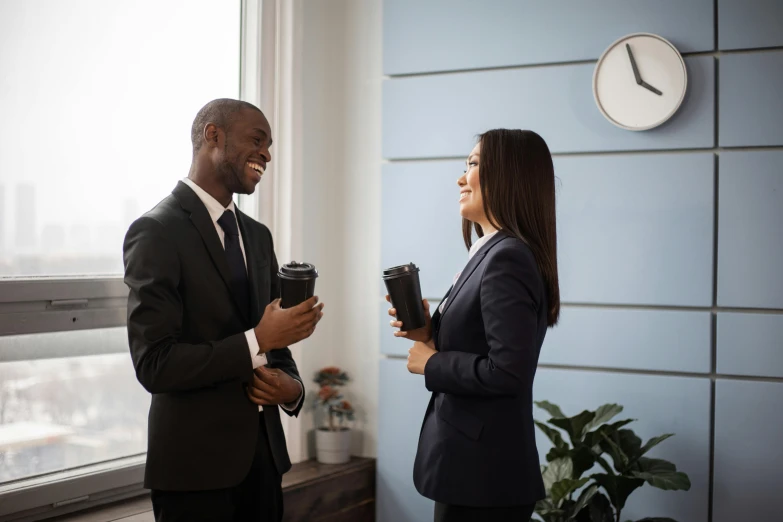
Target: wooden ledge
point(312, 492)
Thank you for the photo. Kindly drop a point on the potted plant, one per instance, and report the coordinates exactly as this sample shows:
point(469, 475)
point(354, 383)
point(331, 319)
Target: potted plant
point(333, 441)
point(599, 496)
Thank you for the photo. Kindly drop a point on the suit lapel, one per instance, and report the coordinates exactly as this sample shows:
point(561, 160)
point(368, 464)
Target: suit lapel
point(474, 262)
point(199, 216)
point(254, 257)
point(436, 317)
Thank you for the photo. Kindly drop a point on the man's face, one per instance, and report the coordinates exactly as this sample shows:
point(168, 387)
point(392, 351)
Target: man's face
point(246, 152)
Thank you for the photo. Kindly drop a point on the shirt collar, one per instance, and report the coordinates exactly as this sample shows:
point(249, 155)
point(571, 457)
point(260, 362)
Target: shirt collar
point(214, 207)
point(480, 243)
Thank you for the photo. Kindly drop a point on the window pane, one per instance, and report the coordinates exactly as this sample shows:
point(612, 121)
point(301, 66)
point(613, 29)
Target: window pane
point(57, 414)
point(97, 100)
point(74, 343)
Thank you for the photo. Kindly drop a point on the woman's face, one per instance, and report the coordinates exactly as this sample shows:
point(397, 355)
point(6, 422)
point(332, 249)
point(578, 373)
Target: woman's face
point(471, 204)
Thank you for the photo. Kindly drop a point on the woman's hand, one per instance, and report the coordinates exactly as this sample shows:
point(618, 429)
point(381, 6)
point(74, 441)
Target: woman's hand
point(418, 356)
point(423, 334)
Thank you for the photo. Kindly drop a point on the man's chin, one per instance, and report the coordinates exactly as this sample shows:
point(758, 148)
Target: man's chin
point(252, 183)
point(248, 187)
point(245, 185)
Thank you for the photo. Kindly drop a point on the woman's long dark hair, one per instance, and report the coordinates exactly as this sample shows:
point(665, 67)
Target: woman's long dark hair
point(517, 182)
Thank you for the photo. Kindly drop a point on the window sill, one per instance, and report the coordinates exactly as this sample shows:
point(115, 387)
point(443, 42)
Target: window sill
point(306, 488)
point(65, 492)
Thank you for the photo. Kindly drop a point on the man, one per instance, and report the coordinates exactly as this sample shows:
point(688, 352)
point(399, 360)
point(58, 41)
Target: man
point(206, 338)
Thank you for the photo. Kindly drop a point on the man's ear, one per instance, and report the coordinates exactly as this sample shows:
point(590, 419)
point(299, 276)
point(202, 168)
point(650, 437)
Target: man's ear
point(212, 135)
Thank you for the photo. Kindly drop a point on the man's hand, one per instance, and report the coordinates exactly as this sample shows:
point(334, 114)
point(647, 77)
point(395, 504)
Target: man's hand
point(272, 386)
point(281, 327)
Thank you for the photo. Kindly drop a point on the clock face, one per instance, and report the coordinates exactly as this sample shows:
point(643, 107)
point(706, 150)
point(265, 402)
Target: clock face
point(639, 81)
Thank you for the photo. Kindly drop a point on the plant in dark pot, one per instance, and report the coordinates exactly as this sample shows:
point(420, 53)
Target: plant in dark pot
point(333, 441)
point(619, 455)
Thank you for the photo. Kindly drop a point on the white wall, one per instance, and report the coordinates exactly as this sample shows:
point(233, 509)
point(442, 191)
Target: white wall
point(341, 147)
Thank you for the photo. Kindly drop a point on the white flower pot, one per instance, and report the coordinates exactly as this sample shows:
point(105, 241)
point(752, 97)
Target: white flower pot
point(333, 447)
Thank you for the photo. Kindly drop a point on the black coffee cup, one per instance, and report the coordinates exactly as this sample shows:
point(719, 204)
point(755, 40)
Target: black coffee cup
point(402, 283)
point(297, 283)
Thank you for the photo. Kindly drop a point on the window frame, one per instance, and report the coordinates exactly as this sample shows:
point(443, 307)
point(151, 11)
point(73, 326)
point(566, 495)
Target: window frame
point(44, 304)
point(59, 304)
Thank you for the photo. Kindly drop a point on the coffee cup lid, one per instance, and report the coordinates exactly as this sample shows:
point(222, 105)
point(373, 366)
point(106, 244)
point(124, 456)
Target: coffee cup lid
point(294, 270)
point(399, 271)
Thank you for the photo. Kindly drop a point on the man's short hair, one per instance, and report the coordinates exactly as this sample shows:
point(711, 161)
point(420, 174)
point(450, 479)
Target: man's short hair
point(221, 112)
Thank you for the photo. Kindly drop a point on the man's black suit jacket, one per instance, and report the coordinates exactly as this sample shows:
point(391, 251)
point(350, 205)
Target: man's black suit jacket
point(188, 345)
point(477, 445)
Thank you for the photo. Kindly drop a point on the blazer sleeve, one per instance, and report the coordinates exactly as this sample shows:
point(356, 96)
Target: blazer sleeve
point(164, 364)
point(509, 310)
point(282, 358)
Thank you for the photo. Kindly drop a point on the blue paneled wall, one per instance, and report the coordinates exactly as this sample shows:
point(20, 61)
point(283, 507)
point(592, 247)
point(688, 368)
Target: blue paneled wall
point(670, 240)
point(438, 116)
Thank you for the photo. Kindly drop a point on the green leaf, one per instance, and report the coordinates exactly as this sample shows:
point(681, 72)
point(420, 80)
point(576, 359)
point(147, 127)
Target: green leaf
point(548, 512)
point(598, 510)
point(558, 453)
point(583, 459)
point(618, 487)
point(654, 466)
point(553, 435)
point(544, 504)
point(584, 499)
point(614, 450)
point(595, 437)
point(562, 488)
point(654, 442)
point(602, 462)
point(557, 470)
point(603, 415)
point(661, 474)
point(623, 446)
point(630, 443)
point(545, 508)
point(552, 409)
point(575, 426)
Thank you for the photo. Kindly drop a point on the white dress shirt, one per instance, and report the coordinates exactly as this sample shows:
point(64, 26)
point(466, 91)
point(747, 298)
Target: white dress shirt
point(475, 247)
point(216, 210)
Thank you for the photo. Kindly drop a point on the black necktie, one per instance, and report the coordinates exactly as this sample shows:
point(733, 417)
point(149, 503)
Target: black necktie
point(236, 262)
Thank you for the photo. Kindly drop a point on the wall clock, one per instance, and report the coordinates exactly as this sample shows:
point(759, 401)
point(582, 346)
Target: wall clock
point(640, 81)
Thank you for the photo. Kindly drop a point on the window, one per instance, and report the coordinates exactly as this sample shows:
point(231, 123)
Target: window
point(59, 413)
point(97, 100)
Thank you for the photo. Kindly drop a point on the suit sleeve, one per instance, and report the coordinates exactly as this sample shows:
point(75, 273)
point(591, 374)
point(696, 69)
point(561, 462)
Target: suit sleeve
point(282, 358)
point(509, 311)
point(163, 363)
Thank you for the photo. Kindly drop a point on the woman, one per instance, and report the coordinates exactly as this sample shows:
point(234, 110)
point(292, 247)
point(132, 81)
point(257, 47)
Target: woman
point(477, 456)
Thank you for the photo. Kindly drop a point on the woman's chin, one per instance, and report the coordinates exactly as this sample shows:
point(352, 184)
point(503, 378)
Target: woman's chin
point(466, 213)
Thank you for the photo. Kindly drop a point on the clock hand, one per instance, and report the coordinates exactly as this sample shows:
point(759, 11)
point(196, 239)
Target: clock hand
point(633, 65)
point(650, 88)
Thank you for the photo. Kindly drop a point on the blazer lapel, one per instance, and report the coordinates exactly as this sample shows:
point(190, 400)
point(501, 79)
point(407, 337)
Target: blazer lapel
point(474, 262)
point(436, 318)
point(203, 223)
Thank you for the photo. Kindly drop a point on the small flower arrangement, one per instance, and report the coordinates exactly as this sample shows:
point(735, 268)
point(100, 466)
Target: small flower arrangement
point(329, 397)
